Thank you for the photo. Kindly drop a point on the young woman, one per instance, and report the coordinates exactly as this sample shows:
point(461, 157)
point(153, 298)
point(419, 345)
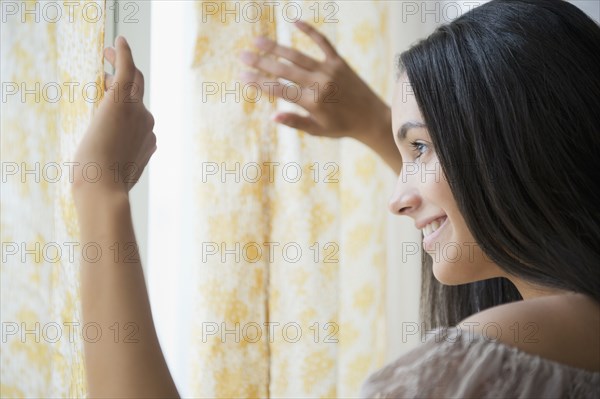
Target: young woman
point(503, 105)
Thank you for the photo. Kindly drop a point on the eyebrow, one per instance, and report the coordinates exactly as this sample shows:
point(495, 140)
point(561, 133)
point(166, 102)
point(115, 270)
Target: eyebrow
point(403, 131)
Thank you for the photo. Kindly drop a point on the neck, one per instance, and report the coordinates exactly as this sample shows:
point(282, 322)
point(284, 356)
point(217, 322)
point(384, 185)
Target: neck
point(530, 291)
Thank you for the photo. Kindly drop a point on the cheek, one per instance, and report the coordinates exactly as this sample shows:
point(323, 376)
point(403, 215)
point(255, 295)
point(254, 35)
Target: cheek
point(459, 260)
point(436, 186)
point(440, 194)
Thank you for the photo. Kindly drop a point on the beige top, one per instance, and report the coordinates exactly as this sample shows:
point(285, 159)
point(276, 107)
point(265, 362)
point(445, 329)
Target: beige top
point(452, 365)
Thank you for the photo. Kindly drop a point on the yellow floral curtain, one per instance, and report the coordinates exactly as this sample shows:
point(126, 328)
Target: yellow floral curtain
point(52, 69)
point(289, 229)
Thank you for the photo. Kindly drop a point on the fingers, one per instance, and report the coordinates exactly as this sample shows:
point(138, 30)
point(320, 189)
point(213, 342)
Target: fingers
point(302, 66)
point(272, 88)
point(125, 67)
point(272, 47)
point(318, 38)
point(137, 91)
point(129, 79)
point(276, 68)
point(149, 144)
point(304, 123)
point(108, 81)
point(111, 55)
point(134, 91)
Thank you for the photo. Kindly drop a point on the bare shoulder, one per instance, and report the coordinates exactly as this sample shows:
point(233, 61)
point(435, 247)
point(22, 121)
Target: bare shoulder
point(561, 328)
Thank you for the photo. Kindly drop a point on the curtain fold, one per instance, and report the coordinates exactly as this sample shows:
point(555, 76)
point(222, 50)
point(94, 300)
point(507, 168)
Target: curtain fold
point(229, 214)
point(52, 69)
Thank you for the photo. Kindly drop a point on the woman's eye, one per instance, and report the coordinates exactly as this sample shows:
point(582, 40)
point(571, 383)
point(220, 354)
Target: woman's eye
point(419, 147)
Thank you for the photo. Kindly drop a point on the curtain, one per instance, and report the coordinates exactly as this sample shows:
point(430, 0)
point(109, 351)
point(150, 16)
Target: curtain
point(286, 267)
point(52, 69)
point(281, 249)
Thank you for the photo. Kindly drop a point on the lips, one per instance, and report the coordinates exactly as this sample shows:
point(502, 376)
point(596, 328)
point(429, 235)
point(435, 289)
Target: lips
point(432, 231)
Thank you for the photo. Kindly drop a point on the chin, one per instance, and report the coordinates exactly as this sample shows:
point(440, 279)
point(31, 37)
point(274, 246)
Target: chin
point(459, 272)
point(446, 273)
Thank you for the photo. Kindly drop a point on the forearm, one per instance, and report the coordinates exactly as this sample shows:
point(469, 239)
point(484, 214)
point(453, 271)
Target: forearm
point(127, 360)
point(381, 140)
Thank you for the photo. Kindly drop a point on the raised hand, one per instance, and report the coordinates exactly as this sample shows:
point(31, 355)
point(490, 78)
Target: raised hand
point(119, 141)
point(339, 102)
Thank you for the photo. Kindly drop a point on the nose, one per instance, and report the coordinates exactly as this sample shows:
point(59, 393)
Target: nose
point(405, 200)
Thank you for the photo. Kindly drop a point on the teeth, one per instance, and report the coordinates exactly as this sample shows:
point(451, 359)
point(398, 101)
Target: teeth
point(427, 230)
point(431, 228)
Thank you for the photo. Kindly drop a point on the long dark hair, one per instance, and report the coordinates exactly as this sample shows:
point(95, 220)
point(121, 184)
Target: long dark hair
point(510, 92)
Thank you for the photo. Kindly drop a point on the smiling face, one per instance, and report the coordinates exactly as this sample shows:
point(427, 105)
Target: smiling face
point(423, 193)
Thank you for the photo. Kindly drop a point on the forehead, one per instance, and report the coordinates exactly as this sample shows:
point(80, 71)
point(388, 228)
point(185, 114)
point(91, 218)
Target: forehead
point(404, 104)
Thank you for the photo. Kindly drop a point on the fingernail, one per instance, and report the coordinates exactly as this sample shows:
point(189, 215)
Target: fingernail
point(247, 56)
point(122, 39)
point(262, 42)
point(246, 77)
